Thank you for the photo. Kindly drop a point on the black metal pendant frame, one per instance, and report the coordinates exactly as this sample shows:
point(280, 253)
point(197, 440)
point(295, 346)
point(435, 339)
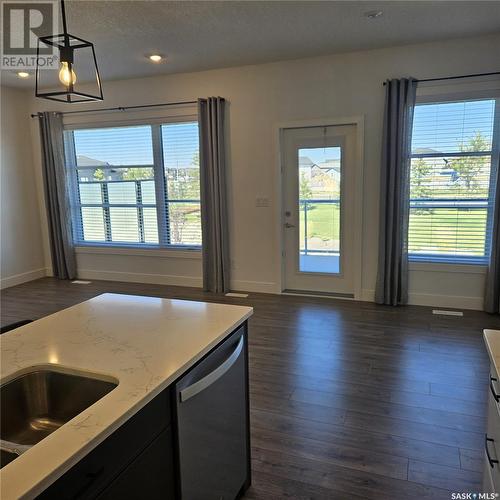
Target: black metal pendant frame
point(63, 42)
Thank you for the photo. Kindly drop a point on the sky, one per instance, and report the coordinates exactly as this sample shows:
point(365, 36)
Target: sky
point(445, 126)
point(128, 146)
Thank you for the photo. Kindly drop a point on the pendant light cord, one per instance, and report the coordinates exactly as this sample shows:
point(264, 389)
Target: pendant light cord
point(63, 14)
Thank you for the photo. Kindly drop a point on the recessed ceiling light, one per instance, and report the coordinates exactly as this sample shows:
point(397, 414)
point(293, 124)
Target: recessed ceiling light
point(156, 58)
point(373, 14)
point(23, 74)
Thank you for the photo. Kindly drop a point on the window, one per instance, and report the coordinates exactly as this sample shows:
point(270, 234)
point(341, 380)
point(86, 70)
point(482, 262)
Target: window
point(135, 185)
point(450, 181)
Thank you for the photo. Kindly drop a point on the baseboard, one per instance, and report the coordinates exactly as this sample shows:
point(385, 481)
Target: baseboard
point(255, 286)
point(452, 301)
point(18, 279)
point(166, 279)
point(150, 279)
point(433, 300)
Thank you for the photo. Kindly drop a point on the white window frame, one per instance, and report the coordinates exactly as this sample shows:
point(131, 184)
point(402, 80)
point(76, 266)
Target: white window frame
point(436, 95)
point(163, 248)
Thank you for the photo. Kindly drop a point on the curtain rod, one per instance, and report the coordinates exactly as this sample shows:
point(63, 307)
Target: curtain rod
point(455, 77)
point(121, 108)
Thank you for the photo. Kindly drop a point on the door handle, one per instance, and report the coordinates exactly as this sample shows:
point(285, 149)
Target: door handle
point(92, 476)
point(288, 225)
point(213, 376)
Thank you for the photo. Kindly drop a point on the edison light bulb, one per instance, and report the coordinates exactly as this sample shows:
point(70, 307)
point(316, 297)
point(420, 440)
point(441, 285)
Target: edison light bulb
point(66, 77)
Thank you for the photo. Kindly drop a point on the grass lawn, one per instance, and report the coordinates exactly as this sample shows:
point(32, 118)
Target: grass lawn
point(440, 230)
point(447, 230)
point(436, 231)
point(323, 221)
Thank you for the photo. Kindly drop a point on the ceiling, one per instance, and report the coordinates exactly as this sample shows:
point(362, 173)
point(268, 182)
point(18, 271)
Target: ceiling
point(199, 35)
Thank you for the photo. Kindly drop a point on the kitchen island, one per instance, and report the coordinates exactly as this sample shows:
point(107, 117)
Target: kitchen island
point(143, 345)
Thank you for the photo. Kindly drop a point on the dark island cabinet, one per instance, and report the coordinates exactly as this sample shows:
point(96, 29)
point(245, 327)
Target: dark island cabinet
point(149, 476)
point(136, 461)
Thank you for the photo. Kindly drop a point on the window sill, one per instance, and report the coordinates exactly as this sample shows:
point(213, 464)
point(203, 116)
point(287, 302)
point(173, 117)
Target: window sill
point(174, 252)
point(447, 267)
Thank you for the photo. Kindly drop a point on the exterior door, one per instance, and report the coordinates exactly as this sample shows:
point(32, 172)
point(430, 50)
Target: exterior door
point(318, 209)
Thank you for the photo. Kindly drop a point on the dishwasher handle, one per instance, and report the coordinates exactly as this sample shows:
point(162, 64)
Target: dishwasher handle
point(492, 389)
point(213, 376)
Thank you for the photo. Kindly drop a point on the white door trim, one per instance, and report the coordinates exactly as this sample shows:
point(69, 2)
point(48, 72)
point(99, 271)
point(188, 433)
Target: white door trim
point(359, 122)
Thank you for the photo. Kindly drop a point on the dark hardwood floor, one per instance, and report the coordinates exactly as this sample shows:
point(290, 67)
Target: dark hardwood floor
point(349, 400)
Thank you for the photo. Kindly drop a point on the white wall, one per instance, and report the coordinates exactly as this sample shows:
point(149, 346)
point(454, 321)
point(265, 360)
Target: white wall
point(262, 96)
point(21, 241)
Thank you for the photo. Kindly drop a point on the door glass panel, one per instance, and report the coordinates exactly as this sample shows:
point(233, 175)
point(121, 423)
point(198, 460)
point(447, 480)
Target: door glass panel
point(319, 209)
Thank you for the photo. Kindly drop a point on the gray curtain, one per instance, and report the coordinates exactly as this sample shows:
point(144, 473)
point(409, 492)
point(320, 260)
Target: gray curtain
point(56, 196)
point(214, 220)
point(392, 279)
point(492, 295)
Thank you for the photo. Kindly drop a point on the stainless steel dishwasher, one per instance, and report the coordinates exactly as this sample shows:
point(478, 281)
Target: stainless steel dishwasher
point(213, 423)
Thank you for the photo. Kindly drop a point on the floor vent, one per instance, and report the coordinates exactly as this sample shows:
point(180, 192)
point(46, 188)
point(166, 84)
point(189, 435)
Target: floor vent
point(81, 282)
point(240, 295)
point(444, 312)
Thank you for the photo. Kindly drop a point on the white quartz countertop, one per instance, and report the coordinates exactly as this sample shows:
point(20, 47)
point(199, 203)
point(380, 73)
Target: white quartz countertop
point(145, 343)
point(492, 340)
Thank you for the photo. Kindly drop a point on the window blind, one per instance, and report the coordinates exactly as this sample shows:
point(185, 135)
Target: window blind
point(181, 160)
point(450, 177)
point(122, 185)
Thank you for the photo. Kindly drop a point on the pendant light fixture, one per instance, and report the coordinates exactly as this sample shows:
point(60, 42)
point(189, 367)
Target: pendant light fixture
point(77, 63)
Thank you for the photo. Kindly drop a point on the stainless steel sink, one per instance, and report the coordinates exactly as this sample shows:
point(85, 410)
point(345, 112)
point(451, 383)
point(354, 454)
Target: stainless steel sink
point(37, 403)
